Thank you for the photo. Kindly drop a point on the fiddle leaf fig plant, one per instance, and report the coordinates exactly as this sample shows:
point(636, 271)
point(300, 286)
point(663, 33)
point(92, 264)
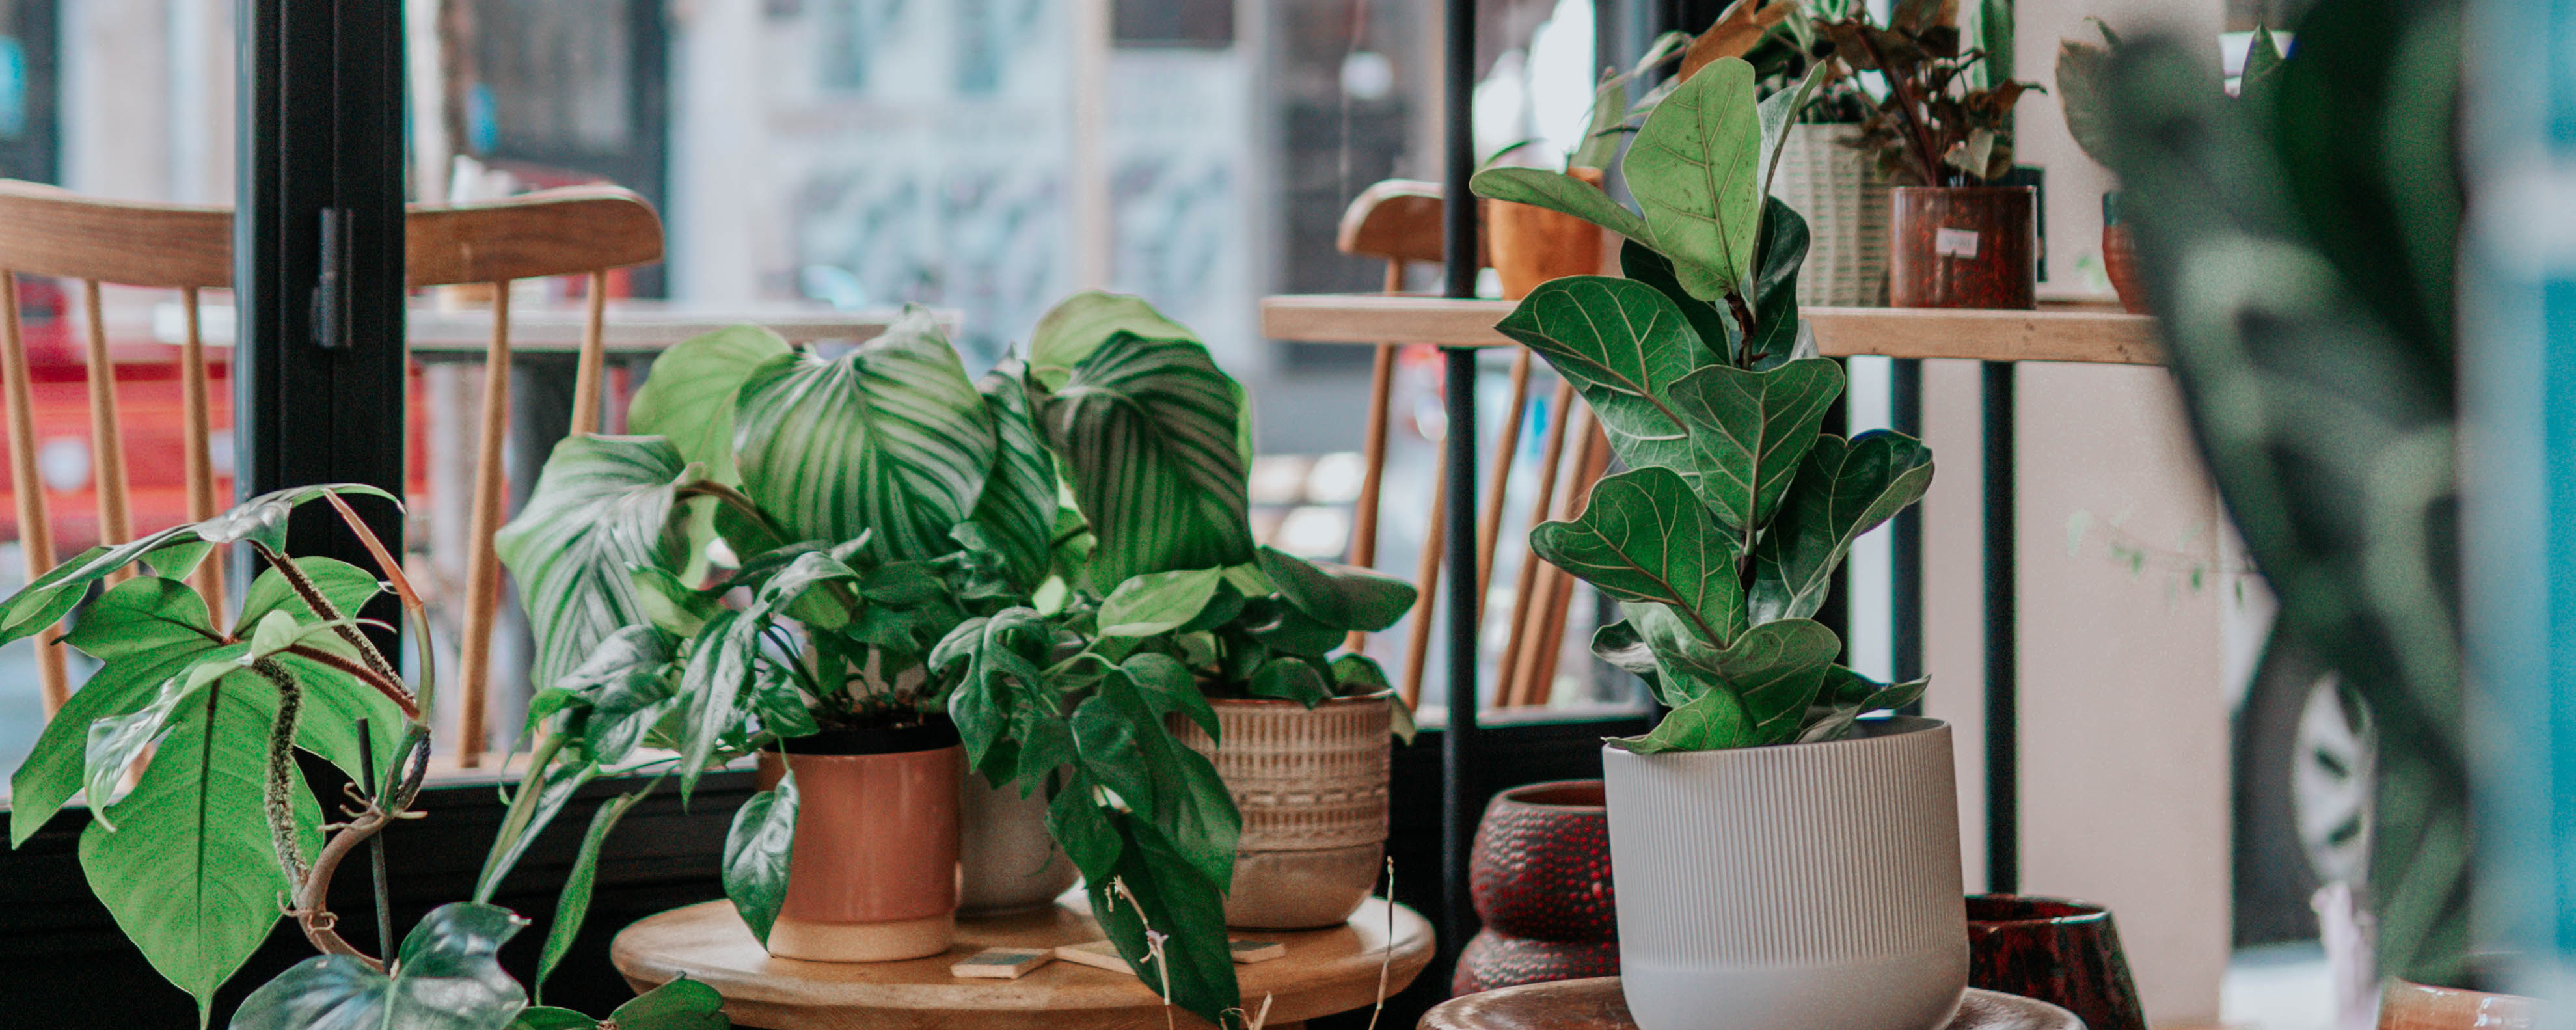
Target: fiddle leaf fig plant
point(1721, 538)
point(220, 835)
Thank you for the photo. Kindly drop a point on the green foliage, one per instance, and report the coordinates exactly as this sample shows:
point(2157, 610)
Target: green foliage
point(1724, 533)
point(2299, 245)
point(602, 505)
point(1146, 430)
point(1947, 117)
point(756, 855)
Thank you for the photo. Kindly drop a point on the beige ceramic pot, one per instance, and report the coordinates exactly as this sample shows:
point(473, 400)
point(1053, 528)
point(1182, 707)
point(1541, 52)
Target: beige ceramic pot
point(1007, 862)
point(1311, 785)
point(873, 874)
point(1532, 245)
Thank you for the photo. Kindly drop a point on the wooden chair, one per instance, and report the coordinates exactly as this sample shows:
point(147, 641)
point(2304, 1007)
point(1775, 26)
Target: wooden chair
point(46, 231)
point(580, 230)
point(1399, 221)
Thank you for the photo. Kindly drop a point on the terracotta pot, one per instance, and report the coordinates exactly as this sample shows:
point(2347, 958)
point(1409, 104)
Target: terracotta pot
point(1540, 878)
point(873, 873)
point(1800, 887)
point(1965, 247)
point(1312, 787)
point(2407, 1005)
point(1532, 245)
point(1007, 861)
point(2120, 257)
point(2065, 953)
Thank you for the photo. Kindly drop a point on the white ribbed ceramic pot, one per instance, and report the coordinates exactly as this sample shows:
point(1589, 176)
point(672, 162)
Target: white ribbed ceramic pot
point(1801, 887)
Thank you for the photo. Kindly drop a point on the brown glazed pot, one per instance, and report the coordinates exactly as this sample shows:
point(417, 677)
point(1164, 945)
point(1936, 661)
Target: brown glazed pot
point(1312, 788)
point(873, 873)
point(2120, 257)
point(1532, 245)
point(1964, 247)
point(1539, 875)
point(2407, 1005)
point(2065, 953)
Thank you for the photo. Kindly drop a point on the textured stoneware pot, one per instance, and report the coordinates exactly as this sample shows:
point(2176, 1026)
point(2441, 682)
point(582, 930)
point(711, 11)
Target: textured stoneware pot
point(873, 874)
point(1843, 195)
point(2406, 1005)
point(1532, 245)
point(1311, 785)
point(2120, 257)
point(2066, 953)
point(1006, 860)
point(1964, 247)
point(1800, 887)
point(1539, 875)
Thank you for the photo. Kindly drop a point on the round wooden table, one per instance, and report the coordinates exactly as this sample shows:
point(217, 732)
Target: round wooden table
point(1596, 1004)
point(1324, 972)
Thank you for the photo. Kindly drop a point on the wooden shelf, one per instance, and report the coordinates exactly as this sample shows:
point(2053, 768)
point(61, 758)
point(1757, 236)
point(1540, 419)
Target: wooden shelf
point(2070, 333)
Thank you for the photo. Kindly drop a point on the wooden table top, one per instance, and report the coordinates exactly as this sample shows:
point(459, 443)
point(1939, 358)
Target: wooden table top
point(1324, 972)
point(1596, 1004)
point(2055, 332)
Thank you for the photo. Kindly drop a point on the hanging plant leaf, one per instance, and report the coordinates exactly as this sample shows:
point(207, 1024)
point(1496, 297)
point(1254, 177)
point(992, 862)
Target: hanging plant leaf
point(1146, 427)
point(602, 505)
point(572, 906)
point(449, 977)
point(1168, 688)
point(1163, 888)
point(197, 911)
point(1751, 430)
point(891, 439)
point(756, 855)
point(689, 396)
point(1121, 744)
point(1845, 489)
point(1695, 171)
point(1015, 517)
point(1645, 538)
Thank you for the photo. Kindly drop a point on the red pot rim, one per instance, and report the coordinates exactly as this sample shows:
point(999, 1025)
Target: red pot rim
point(1539, 795)
point(2040, 911)
point(2032, 190)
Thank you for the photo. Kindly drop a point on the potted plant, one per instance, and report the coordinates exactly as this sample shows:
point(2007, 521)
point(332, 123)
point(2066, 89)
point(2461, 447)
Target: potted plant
point(219, 835)
point(1532, 244)
point(2082, 91)
point(1835, 900)
point(1823, 174)
point(1960, 242)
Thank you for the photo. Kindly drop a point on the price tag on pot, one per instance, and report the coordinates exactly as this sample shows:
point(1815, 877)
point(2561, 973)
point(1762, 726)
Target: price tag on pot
point(1955, 243)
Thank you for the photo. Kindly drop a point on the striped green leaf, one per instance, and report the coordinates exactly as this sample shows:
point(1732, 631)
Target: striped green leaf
point(602, 504)
point(891, 439)
point(1015, 518)
point(690, 396)
point(1148, 430)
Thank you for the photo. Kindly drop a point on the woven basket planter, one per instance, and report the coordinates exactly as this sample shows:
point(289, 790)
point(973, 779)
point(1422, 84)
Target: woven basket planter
point(1312, 787)
point(1844, 199)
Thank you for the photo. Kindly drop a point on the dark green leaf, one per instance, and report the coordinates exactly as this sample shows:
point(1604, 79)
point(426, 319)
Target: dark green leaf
point(712, 684)
point(1168, 687)
point(1694, 169)
point(548, 1017)
point(1163, 887)
point(1016, 514)
point(997, 661)
point(1778, 335)
point(1624, 345)
point(1559, 192)
point(1709, 321)
point(682, 1004)
point(1358, 675)
point(1345, 597)
point(448, 978)
point(1713, 722)
point(1843, 490)
point(1645, 538)
point(1750, 431)
point(890, 439)
point(628, 682)
point(756, 855)
point(1290, 679)
point(1080, 826)
point(1774, 670)
point(1121, 744)
point(1147, 429)
point(602, 505)
point(1157, 602)
point(689, 396)
point(573, 904)
point(1294, 632)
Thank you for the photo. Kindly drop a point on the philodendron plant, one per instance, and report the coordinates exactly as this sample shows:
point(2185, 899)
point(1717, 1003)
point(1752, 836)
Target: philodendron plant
point(219, 835)
point(1722, 538)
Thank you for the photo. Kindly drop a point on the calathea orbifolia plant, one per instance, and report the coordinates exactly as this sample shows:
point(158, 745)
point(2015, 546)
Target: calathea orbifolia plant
point(1069, 692)
point(220, 836)
point(1723, 535)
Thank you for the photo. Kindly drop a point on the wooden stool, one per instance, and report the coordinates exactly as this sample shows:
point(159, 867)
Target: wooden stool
point(1324, 972)
point(1596, 1004)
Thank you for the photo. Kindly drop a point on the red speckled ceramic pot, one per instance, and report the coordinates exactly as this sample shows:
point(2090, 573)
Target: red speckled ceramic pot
point(2065, 953)
point(1540, 878)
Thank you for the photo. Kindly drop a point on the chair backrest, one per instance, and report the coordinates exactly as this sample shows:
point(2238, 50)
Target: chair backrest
point(577, 230)
point(47, 231)
point(1400, 221)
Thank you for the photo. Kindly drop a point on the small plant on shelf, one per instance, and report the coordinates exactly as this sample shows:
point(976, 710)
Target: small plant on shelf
point(220, 826)
point(1934, 127)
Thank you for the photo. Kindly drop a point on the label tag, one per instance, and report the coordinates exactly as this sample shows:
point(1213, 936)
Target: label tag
point(1957, 243)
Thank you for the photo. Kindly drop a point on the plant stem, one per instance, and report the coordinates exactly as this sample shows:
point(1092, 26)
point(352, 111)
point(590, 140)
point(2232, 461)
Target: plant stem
point(523, 809)
point(1916, 132)
point(376, 845)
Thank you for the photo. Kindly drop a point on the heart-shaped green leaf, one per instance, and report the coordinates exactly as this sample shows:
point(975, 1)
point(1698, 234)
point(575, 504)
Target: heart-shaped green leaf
point(1345, 597)
point(449, 977)
point(689, 396)
point(602, 505)
point(1016, 514)
point(1750, 431)
point(1079, 324)
point(756, 855)
point(1844, 489)
point(1695, 171)
point(1158, 602)
point(890, 439)
point(1623, 344)
point(1147, 429)
point(1168, 689)
point(1644, 537)
point(1290, 678)
point(1775, 671)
